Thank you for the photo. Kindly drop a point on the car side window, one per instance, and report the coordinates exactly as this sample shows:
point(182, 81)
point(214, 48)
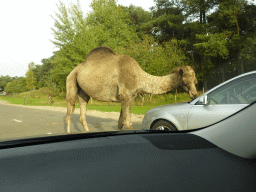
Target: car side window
point(240, 91)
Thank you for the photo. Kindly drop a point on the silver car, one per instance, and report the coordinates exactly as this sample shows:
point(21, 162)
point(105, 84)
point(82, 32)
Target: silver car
point(211, 107)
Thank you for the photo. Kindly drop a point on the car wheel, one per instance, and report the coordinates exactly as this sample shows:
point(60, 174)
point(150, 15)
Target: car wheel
point(164, 125)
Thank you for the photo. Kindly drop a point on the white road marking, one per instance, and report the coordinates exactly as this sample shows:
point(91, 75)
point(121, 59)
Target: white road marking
point(17, 120)
point(49, 133)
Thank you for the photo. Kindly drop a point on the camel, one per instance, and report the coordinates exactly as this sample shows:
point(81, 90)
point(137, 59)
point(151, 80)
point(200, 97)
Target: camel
point(107, 76)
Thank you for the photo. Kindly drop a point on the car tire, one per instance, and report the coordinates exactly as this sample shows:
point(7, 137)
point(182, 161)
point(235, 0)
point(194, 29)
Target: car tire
point(164, 125)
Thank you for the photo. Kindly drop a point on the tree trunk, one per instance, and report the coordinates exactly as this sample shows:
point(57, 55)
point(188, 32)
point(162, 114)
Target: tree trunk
point(49, 100)
point(205, 87)
point(241, 63)
point(242, 66)
point(204, 21)
point(202, 12)
point(150, 97)
point(237, 25)
point(176, 96)
point(223, 75)
point(142, 99)
point(201, 16)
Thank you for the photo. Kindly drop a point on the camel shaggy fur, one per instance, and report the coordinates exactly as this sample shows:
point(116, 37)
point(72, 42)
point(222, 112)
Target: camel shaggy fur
point(107, 76)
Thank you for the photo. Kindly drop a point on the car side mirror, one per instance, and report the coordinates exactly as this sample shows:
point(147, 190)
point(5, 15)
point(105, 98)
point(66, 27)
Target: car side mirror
point(203, 100)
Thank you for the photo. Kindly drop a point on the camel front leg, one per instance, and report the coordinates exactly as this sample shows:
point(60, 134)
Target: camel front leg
point(83, 100)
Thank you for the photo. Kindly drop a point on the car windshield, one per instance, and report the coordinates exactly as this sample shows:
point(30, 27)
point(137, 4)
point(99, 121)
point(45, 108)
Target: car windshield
point(239, 91)
point(70, 67)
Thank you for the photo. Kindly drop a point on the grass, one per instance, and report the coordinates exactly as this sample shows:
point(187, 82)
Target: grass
point(40, 98)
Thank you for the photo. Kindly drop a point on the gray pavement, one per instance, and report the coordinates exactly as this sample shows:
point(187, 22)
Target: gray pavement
point(21, 122)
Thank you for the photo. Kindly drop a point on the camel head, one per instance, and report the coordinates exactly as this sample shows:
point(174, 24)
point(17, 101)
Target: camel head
point(188, 80)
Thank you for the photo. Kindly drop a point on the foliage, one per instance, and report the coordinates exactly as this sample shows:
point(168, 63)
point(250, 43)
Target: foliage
point(72, 38)
point(138, 17)
point(166, 22)
point(30, 76)
point(154, 58)
point(42, 72)
point(107, 24)
point(4, 80)
point(110, 25)
point(40, 97)
point(195, 9)
point(17, 85)
point(206, 34)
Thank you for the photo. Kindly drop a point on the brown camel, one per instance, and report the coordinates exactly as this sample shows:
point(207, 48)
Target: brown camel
point(107, 76)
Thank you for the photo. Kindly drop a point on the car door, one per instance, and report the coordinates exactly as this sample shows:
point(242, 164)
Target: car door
point(223, 102)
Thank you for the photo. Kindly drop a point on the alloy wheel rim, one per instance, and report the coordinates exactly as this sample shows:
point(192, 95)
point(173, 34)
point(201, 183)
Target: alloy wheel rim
point(162, 127)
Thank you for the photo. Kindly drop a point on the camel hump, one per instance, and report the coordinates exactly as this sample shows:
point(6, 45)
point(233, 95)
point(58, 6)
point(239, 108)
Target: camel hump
point(102, 50)
point(185, 69)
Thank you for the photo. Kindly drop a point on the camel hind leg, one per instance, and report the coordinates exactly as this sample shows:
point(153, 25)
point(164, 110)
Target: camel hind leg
point(71, 95)
point(83, 101)
point(126, 99)
point(70, 110)
point(120, 121)
point(125, 115)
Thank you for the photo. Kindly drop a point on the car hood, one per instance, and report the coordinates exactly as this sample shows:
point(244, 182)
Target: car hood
point(170, 107)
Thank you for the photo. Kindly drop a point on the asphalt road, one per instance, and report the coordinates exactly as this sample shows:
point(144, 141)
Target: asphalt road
point(21, 122)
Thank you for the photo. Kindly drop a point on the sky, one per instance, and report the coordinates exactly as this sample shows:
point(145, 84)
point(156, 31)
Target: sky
point(26, 31)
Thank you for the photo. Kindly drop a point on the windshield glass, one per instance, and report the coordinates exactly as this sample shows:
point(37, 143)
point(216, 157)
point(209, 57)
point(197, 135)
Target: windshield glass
point(239, 91)
point(70, 67)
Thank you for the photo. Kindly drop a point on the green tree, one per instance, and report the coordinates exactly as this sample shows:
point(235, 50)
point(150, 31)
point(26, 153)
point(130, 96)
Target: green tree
point(223, 41)
point(198, 9)
point(4, 80)
point(17, 85)
point(30, 76)
point(10, 87)
point(214, 37)
point(76, 35)
point(166, 22)
point(42, 72)
point(138, 17)
point(154, 58)
point(72, 38)
point(110, 25)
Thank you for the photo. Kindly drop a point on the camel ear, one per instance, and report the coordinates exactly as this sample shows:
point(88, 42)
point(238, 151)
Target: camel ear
point(181, 72)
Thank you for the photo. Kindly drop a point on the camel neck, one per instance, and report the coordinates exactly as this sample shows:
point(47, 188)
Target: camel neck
point(151, 84)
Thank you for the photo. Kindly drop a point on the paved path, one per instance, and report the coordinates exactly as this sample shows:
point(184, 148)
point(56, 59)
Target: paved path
point(18, 121)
